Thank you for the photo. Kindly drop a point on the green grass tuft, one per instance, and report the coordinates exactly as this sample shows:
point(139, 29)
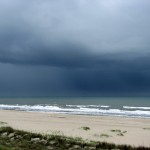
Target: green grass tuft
point(2, 123)
point(85, 128)
point(120, 134)
point(22, 141)
point(115, 130)
point(104, 135)
point(146, 128)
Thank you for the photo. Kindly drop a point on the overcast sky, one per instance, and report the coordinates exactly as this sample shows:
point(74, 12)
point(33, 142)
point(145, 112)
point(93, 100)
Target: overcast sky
point(74, 47)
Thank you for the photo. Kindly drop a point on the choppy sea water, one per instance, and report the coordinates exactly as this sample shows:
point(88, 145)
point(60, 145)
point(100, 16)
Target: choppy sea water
point(111, 106)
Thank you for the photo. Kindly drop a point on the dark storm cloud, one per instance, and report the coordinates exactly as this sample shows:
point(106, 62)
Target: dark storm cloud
point(78, 46)
point(99, 26)
point(111, 81)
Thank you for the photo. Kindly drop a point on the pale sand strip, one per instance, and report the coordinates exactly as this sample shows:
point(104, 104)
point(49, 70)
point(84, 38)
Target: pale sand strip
point(70, 125)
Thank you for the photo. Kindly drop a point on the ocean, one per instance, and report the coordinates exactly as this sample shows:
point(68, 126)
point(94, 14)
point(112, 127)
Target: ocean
point(102, 106)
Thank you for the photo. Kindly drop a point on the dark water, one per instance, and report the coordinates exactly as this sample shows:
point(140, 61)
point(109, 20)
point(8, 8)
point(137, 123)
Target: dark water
point(113, 106)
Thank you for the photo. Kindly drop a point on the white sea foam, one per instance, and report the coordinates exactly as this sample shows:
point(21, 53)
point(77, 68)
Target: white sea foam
point(129, 107)
point(87, 106)
point(104, 106)
point(81, 110)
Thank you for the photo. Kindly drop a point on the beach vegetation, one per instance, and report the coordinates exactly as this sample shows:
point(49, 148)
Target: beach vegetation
point(2, 123)
point(119, 132)
point(11, 139)
point(4, 148)
point(115, 130)
point(85, 128)
point(105, 135)
point(146, 128)
point(57, 132)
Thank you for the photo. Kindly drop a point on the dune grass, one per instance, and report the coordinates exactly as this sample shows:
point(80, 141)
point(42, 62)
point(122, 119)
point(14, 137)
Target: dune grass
point(105, 135)
point(115, 130)
point(118, 132)
point(146, 128)
point(2, 123)
point(85, 128)
point(11, 139)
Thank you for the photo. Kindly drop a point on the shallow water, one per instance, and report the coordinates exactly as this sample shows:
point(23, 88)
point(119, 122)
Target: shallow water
point(113, 106)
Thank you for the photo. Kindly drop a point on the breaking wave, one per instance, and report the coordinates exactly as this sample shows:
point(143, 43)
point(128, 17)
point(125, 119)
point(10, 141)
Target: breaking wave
point(82, 110)
point(129, 107)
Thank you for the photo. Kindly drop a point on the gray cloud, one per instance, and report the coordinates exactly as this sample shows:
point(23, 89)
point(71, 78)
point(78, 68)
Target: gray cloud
point(102, 26)
point(80, 46)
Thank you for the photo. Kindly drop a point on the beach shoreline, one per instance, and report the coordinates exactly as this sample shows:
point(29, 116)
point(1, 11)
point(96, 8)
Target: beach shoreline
point(118, 130)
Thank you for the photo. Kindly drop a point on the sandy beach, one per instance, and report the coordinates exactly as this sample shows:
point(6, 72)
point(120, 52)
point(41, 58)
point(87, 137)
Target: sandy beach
point(119, 130)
